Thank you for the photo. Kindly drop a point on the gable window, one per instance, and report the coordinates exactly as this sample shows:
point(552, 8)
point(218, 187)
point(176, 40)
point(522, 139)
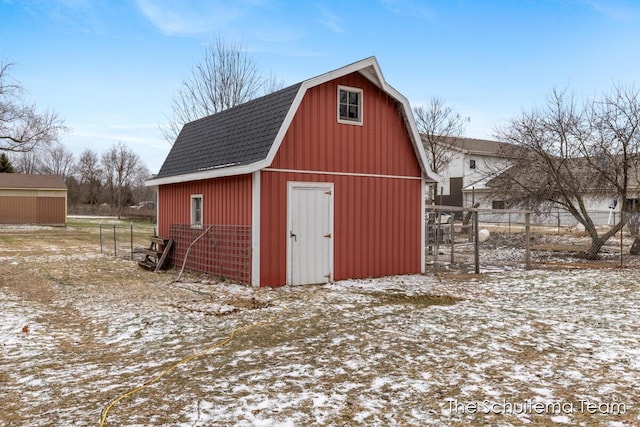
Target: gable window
point(196, 210)
point(349, 105)
point(472, 164)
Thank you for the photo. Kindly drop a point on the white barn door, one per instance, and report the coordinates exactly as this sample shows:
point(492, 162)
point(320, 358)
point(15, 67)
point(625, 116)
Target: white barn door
point(310, 227)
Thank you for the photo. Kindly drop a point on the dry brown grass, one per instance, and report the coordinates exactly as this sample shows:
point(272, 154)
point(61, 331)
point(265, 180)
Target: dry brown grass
point(359, 355)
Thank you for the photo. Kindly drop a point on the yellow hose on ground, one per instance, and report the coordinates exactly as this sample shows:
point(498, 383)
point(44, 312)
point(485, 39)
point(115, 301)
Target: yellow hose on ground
point(158, 377)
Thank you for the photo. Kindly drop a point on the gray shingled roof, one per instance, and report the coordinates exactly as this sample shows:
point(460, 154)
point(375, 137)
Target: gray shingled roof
point(238, 136)
point(486, 147)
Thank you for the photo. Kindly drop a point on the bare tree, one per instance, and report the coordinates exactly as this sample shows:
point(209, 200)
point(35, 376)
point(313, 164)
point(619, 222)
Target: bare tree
point(28, 161)
point(272, 84)
point(225, 78)
point(89, 176)
point(121, 166)
point(575, 153)
point(140, 192)
point(438, 125)
point(57, 160)
point(22, 127)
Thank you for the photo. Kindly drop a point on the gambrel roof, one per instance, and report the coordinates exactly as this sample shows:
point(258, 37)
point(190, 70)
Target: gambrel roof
point(235, 137)
point(246, 138)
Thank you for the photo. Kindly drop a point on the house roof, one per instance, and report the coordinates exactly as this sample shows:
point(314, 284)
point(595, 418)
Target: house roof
point(29, 181)
point(484, 147)
point(533, 173)
point(246, 138)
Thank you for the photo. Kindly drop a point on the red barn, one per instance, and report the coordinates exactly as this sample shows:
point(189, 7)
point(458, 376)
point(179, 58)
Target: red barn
point(323, 180)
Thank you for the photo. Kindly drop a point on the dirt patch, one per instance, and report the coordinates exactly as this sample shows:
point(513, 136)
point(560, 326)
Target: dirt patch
point(418, 300)
point(560, 248)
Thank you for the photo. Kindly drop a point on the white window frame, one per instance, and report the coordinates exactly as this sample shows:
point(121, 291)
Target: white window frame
point(357, 121)
point(194, 223)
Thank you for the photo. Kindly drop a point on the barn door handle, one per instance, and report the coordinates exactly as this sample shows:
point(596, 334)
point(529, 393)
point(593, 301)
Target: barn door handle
point(293, 236)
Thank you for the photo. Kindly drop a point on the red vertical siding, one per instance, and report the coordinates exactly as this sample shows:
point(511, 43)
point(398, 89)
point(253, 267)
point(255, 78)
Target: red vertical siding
point(316, 141)
point(377, 220)
point(225, 201)
point(377, 226)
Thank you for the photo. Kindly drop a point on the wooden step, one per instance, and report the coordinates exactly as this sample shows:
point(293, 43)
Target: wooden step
point(162, 259)
point(147, 264)
point(158, 240)
point(156, 254)
point(153, 253)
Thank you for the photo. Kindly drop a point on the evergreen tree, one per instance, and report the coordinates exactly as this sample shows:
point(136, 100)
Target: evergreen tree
point(5, 164)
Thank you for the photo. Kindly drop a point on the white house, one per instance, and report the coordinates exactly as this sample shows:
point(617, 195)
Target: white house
point(472, 163)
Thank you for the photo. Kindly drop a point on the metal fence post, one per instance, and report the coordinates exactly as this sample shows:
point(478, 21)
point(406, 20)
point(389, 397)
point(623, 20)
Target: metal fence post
point(101, 239)
point(436, 246)
point(115, 250)
point(621, 242)
point(476, 243)
point(131, 234)
point(451, 234)
point(527, 251)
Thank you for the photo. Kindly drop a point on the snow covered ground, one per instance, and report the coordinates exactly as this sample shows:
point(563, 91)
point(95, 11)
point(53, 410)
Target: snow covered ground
point(79, 330)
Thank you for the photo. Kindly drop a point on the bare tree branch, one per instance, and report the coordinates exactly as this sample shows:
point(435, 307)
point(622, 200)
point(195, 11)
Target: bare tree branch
point(22, 126)
point(225, 78)
point(575, 152)
point(57, 160)
point(438, 124)
point(121, 166)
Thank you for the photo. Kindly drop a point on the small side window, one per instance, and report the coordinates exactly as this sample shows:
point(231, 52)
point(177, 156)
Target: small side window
point(196, 211)
point(497, 204)
point(472, 164)
point(349, 105)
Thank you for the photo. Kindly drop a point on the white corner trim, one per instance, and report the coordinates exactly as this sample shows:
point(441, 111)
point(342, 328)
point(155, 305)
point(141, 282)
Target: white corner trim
point(423, 230)
point(255, 229)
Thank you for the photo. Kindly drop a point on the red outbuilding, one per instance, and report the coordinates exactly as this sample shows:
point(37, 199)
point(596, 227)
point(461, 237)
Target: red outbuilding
point(323, 180)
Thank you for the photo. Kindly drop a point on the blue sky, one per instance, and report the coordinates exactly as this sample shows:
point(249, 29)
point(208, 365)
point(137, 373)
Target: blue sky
point(109, 68)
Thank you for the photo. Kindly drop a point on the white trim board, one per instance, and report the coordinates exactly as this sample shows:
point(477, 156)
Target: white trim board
point(365, 175)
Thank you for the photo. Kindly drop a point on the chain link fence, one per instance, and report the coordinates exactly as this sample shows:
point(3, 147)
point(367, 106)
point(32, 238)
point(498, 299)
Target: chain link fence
point(503, 239)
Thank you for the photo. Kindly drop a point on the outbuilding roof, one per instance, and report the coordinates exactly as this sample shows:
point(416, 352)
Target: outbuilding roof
point(30, 181)
point(246, 138)
point(238, 136)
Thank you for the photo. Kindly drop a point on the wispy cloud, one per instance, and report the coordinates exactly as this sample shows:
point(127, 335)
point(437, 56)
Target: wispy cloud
point(330, 20)
point(279, 35)
point(614, 9)
point(178, 17)
point(408, 8)
point(78, 15)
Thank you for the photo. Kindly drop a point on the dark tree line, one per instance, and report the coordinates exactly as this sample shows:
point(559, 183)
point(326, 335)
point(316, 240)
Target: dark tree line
point(110, 181)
